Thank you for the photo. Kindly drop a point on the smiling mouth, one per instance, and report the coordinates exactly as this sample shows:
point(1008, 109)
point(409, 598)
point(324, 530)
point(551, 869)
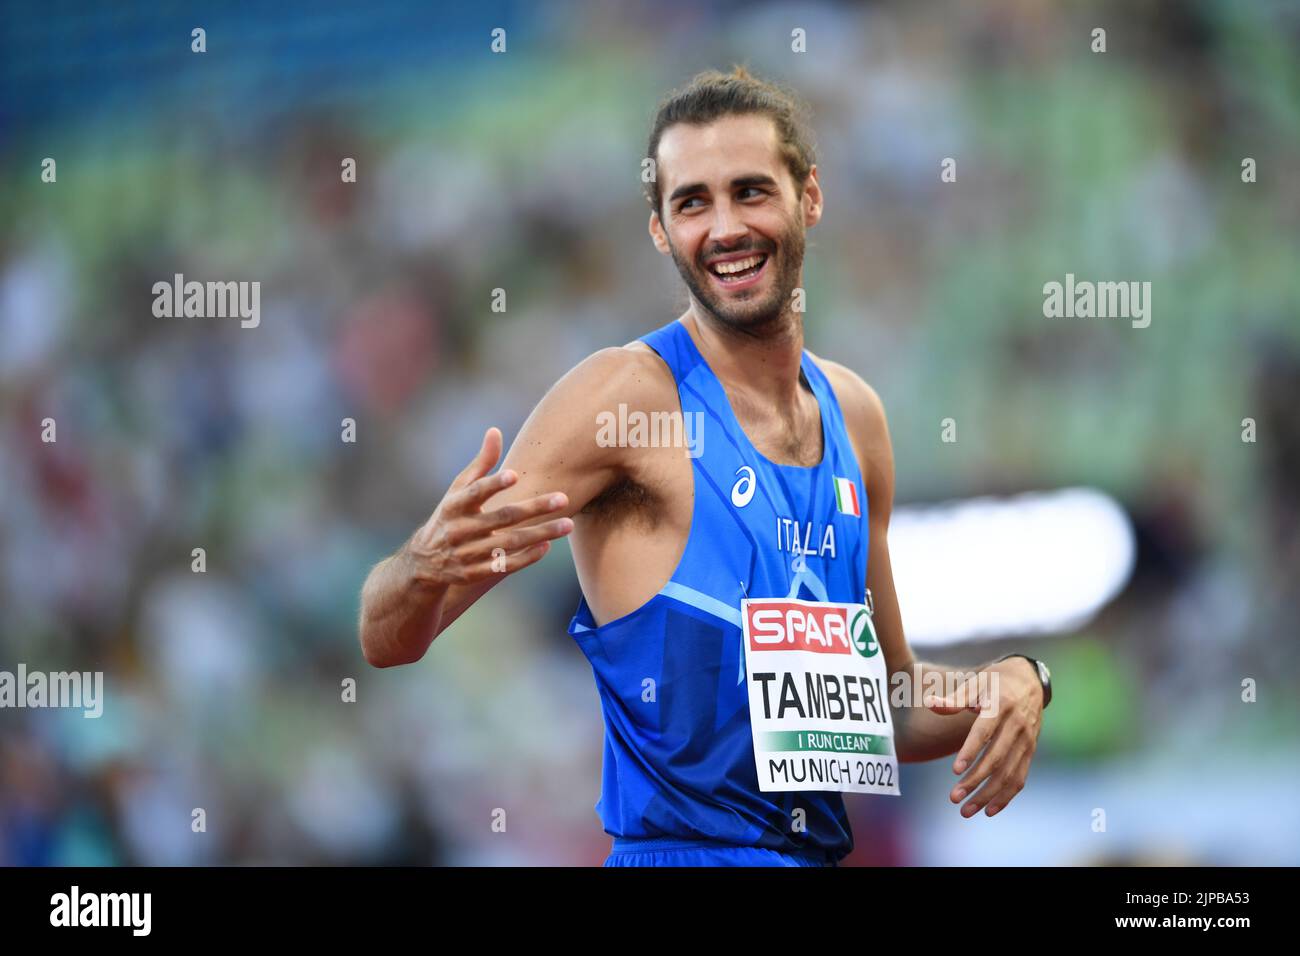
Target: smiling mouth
point(739, 270)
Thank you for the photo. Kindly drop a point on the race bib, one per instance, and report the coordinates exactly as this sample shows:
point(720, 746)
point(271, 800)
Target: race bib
point(818, 704)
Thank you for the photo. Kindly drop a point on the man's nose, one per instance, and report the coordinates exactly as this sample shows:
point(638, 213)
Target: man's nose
point(727, 226)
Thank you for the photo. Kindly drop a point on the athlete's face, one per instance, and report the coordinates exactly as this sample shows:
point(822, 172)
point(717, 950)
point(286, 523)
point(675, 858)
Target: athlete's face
point(730, 203)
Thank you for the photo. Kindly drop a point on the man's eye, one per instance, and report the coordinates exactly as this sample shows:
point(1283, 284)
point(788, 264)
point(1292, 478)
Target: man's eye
point(750, 189)
point(688, 202)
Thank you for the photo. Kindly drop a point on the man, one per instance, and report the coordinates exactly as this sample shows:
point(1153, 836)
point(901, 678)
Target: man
point(771, 511)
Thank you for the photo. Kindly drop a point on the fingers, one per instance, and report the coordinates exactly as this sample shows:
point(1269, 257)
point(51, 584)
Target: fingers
point(502, 562)
point(466, 555)
point(469, 499)
point(943, 705)
point(980, 732)
point(488, 455)
point(517, 539)
point(521, 511)
point(994, 755)
point(1015, 782)
point(1003, 771)
point(965, 697)
point(1000, 787)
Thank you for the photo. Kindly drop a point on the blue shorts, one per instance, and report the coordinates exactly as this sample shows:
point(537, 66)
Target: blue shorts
point(667, 851)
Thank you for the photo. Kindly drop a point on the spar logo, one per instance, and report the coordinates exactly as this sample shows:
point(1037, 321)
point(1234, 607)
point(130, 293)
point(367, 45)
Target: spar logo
point(787, 625)
point(863, 633)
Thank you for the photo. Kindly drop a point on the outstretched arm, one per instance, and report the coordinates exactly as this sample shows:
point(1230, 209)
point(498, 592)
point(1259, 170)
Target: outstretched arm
point(490, 525)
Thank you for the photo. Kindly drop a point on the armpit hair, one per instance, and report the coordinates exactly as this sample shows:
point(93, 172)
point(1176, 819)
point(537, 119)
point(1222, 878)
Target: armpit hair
point(625, 500)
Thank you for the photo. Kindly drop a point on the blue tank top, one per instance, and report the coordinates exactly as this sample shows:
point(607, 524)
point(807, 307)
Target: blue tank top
point(679, 756)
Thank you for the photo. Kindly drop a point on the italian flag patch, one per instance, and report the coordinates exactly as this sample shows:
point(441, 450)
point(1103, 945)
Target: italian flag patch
point(846, 497)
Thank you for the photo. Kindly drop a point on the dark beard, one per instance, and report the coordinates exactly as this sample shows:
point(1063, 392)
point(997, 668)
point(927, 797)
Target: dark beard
point(754, 318)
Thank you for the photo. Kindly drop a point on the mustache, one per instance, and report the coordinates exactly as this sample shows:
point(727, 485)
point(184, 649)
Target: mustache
point(751, 247)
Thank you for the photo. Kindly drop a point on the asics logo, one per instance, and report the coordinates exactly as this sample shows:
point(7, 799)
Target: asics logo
point(742, 492)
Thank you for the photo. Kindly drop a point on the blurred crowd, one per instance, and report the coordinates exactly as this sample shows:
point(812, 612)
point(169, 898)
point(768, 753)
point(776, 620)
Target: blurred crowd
point(227, 690)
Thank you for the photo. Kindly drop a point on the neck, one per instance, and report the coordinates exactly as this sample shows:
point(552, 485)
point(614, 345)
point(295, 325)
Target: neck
point(768, 365)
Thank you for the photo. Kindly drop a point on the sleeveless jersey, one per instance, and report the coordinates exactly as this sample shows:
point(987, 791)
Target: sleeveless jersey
point(679, 756)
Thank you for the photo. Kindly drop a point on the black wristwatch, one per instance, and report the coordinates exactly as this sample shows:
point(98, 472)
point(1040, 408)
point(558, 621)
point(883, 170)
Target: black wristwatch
point(1044, 675)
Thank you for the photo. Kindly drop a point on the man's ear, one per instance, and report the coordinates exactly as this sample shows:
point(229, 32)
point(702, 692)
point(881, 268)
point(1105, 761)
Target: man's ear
point(812, 199)
point(657, 233)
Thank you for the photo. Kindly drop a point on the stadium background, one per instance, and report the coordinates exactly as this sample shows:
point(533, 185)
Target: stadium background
point(520, 170)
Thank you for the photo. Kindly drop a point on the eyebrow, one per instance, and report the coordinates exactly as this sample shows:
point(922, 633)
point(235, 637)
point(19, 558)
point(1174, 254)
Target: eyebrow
point(750, 179)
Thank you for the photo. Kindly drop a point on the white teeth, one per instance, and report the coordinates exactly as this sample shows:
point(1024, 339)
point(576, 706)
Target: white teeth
point(740, 265)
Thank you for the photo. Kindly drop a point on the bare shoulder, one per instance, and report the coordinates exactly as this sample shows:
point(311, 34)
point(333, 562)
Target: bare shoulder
point(563, 425)
point(558, 448)
point(864, 412)
point(632, 373)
